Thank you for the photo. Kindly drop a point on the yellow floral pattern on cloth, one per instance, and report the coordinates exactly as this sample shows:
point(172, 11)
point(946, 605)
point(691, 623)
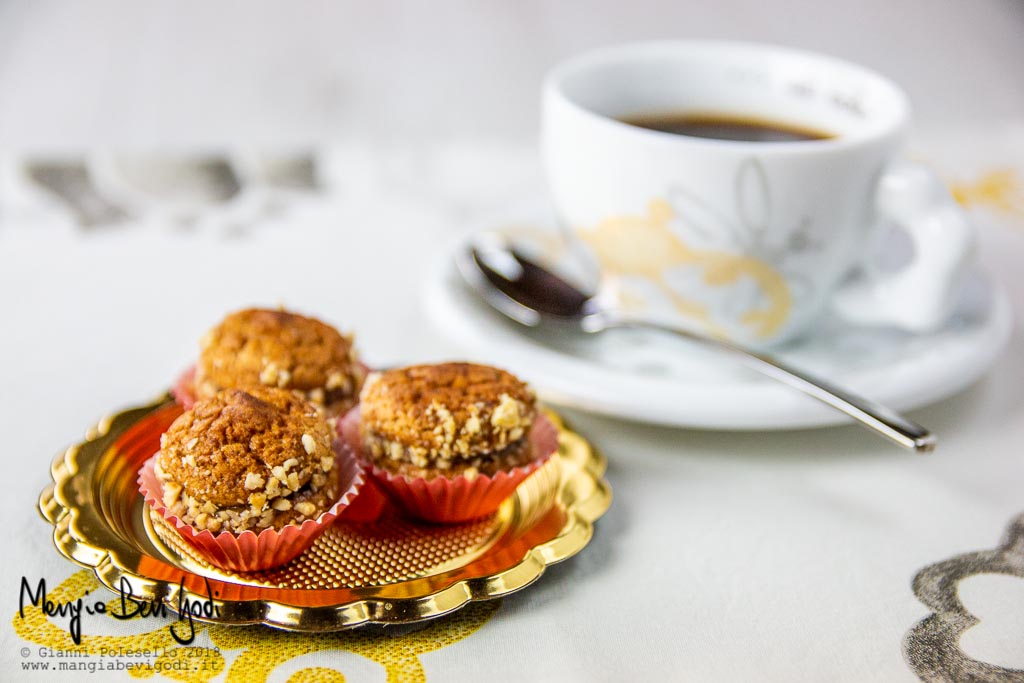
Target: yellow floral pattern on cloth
point(260, 650)
point(1000, 189)
point(645, 246)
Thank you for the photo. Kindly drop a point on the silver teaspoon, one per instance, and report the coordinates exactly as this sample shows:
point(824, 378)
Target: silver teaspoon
point(534, 296)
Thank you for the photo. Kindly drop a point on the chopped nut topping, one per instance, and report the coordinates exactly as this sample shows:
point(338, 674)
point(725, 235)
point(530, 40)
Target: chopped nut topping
point(515, 455)
point(309, 443)
point(396, 452)
point(452, 411)
point(253, 481)
point(260, 511)
point(305, 508)
point(171, 493)
point(269, 375)
point(274, 487)
point(447, 426)
point(506, 415)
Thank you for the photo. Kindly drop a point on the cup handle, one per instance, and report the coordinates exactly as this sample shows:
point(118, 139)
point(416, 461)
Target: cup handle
point(919, 297)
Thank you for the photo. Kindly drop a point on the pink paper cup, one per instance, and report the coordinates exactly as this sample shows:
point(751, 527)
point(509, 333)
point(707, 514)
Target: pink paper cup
point(249, 551)
point(184, 390)
point(450, 500)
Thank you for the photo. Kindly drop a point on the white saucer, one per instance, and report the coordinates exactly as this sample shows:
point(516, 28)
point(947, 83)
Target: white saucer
point(650, 377)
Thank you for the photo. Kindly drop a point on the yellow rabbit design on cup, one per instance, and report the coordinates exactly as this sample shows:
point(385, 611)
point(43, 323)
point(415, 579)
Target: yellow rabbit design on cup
point(649, 247)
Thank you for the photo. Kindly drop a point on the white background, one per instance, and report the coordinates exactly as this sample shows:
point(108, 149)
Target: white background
point(166, 72)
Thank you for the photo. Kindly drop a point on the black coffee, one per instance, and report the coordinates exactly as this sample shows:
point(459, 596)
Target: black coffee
point(724, 127)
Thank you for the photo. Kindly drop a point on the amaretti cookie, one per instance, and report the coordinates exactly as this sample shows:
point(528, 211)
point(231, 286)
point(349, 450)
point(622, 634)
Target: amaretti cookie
point(277, 348)
point(452, 418)
point(260, 460)
point(450, 441)
point(252, 459)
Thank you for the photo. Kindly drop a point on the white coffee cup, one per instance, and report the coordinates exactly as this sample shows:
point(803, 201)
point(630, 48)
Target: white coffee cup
point(749, 240)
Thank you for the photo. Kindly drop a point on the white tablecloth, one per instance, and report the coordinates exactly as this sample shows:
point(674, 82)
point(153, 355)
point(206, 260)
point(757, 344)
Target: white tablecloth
point(731, 556)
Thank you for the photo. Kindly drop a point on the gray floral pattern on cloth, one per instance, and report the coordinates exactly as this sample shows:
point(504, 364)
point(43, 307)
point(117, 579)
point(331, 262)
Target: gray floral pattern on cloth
point(932, 647)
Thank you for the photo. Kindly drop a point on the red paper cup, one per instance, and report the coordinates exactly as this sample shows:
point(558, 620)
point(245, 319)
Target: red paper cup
point(370, 505)
point(184, 390)
point(457, 499)
point(249, 551)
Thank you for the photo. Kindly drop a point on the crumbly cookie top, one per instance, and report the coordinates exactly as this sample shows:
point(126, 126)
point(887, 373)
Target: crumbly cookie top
point(433, 414)
point(264, 441)
point(257, 347)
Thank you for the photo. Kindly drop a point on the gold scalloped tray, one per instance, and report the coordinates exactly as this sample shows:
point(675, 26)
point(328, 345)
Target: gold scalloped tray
point(391, 570)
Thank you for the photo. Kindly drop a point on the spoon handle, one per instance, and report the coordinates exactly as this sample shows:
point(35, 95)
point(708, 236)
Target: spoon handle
point(883, 420)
